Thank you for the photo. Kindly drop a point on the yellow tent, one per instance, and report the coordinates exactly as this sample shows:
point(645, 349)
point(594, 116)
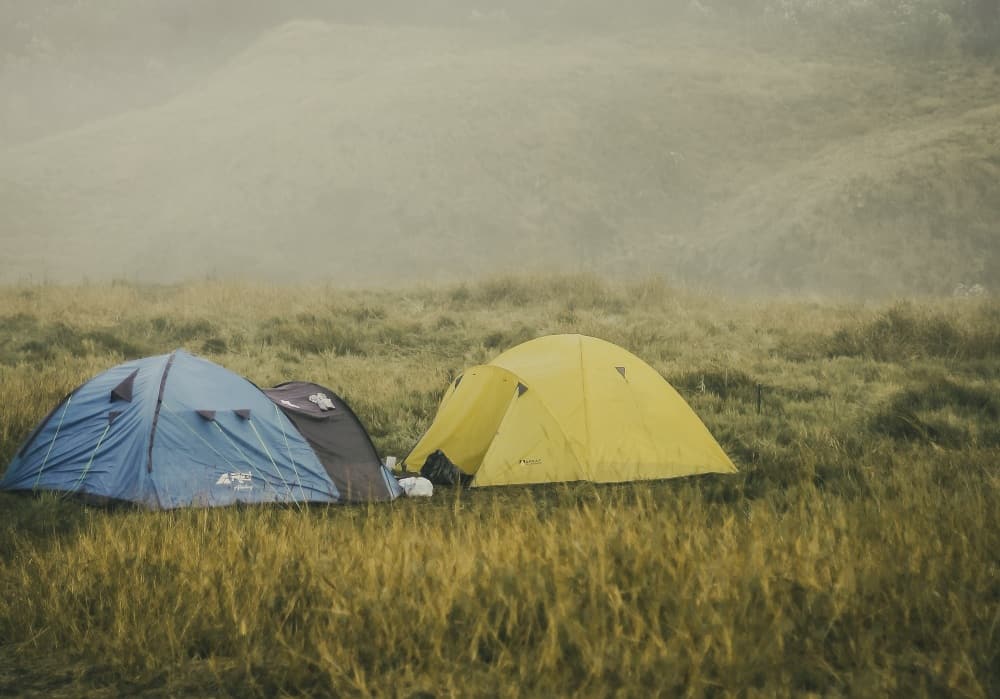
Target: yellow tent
point(568, 408)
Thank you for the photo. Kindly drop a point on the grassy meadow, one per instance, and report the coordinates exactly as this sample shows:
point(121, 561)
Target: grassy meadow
point(853, 555)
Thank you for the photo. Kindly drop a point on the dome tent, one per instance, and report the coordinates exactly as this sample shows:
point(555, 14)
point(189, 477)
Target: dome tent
point(568, 408)
point(175, 431)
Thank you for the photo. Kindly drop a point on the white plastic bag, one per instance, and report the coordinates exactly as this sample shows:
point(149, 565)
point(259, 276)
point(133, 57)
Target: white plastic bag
point(416, 487)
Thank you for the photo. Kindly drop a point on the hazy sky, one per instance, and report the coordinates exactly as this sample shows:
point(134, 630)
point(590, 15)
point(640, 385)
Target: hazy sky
point(160, 140)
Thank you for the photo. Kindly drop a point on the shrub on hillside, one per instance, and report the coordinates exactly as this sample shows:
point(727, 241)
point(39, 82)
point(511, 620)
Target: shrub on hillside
point(903, 333)
point(311, 334)
point(921, 26)
point(942, 412)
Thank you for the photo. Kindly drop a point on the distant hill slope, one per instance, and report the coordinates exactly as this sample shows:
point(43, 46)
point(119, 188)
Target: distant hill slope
point(364, 155)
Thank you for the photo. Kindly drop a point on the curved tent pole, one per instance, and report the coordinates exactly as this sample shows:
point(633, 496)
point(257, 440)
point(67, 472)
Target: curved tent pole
point(288, 447)
point(52, 443)
point(203, 440)
point(86, 470)
point(276, 469)
point(245, 457)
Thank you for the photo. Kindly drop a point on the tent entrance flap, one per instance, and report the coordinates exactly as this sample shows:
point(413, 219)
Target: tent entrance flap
point(531, 447)
point(468, 419)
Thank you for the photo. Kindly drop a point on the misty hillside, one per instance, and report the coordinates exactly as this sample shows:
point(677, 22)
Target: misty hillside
point(369, 154)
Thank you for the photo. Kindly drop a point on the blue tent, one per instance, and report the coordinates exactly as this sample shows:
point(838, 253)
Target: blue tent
point(177, 430)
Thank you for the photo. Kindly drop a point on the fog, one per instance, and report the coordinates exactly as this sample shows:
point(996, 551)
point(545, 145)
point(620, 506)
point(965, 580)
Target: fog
point(761, 146)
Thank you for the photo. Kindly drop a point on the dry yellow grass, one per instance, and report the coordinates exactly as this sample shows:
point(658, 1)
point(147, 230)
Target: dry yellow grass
point(853, 555)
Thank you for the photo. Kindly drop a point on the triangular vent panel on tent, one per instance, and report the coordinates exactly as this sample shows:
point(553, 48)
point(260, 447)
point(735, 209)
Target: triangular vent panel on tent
point(123, 391)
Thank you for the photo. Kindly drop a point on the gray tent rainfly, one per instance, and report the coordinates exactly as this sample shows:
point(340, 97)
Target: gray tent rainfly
point(339, 440)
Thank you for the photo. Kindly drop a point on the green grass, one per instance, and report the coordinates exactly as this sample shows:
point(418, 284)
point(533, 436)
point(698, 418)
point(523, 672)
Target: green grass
point(852, 555)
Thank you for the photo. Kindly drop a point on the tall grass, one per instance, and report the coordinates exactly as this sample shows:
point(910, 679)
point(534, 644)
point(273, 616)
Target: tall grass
point(853, 555)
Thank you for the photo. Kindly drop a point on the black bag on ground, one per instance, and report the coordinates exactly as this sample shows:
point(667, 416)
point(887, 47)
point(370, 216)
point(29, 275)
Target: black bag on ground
point(439, 470)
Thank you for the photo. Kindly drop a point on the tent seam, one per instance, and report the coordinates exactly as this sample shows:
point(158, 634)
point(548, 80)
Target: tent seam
point(586, 410)
point(493, 441)
point(156, 411)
